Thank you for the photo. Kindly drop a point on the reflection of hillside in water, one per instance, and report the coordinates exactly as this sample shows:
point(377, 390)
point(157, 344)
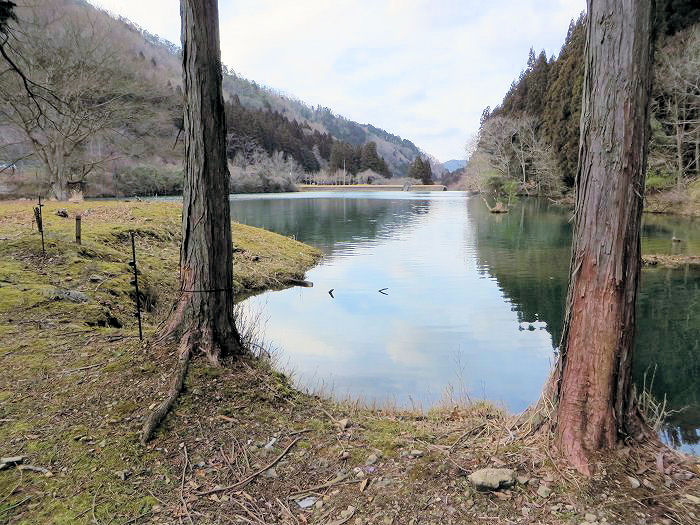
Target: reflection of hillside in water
point(330, 222)
point(527, 251)
point(668, 345)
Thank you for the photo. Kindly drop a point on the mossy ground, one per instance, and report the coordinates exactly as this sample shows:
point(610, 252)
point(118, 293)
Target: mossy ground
point(75, 390)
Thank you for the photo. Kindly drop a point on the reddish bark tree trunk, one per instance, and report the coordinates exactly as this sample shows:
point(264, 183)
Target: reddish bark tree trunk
point(203, 315)
point(592, 384)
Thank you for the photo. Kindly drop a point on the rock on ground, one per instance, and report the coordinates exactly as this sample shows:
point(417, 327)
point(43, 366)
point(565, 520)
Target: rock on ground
point(492, 478)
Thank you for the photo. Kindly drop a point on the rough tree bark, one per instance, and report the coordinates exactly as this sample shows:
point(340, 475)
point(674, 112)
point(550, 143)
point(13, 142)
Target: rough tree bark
point(203, 314)
point(592, 383)
point(202, 319)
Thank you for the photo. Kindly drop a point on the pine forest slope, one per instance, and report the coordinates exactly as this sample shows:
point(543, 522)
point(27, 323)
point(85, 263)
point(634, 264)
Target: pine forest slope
point(529, 143)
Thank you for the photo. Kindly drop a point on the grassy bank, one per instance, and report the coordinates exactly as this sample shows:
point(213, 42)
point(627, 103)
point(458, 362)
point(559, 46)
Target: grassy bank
point(671, 261)
point(261, 259)
point(685, 202)
point(75, 389)
point(677, 201)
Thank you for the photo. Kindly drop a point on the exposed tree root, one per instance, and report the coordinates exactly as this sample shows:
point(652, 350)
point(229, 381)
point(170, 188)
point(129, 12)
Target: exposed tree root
point(540, 420)
point(216, 341)
point(178, 381)
point(541, 416)
point(215, 337)
point(205, 345)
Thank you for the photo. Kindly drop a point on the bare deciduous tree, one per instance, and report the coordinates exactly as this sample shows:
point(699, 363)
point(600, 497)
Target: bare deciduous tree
point(496, 139)
point(511, 147)
point(523, 142)
point(83, 94)
point(677, 83)
point(547, 176)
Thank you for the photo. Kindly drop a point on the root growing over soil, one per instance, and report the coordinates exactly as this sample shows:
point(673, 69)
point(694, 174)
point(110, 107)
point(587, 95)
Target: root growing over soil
point(191, 341)
point(178, 382)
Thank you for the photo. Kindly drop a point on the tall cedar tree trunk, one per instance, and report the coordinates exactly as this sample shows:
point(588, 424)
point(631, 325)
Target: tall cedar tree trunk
point(203, 315)
point(593, 387)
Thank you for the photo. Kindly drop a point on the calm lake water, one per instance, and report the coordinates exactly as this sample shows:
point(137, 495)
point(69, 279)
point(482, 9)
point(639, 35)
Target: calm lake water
point(473, 302)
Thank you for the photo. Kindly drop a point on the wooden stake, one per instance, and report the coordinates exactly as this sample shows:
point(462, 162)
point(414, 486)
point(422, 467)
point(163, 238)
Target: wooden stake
point(77, 229)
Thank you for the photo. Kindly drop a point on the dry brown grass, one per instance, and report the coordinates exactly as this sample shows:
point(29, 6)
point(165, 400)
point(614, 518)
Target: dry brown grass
point(671, 261)
point(685, 201)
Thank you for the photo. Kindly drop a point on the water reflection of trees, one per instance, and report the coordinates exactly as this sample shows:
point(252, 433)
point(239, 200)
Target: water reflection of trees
point(527, 252)
point(668, 344)
point(327, 222)
point(658, 230)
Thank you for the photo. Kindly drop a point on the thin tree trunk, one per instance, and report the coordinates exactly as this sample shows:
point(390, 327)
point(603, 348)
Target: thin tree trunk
point(679, 149)
point(204, 311)
point(59, 191)
point(592, 382)
point(56, 168)
point(57, 181)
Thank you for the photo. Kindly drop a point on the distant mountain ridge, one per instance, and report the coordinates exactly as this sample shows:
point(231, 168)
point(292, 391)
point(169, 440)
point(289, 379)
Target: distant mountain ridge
point(454, 164)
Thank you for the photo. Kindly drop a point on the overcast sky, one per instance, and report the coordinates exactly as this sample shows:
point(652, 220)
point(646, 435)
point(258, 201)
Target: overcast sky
point(422, 69)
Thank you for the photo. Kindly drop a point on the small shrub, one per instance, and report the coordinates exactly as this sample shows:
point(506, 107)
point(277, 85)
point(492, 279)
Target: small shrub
point(148, 180)
point(495, 184)
point(274, 174)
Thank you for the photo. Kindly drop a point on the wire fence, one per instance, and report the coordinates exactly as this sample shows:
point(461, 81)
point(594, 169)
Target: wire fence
point(133, 273)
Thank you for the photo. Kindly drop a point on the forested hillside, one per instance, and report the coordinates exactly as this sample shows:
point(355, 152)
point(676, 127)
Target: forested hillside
point(529, 143)
point(115, 129)
point(397, 152)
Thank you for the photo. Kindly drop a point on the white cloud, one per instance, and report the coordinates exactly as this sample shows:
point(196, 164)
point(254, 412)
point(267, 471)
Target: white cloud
point(419, 68)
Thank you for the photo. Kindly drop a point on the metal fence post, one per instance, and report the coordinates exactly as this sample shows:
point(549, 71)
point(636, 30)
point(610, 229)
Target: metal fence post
point(40, 224)
point(135, 282)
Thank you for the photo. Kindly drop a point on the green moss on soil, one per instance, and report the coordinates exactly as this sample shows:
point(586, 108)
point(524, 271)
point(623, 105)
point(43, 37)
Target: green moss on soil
point(79, 383)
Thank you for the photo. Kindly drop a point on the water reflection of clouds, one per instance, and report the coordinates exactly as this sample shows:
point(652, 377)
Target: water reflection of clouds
point(403, 346)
